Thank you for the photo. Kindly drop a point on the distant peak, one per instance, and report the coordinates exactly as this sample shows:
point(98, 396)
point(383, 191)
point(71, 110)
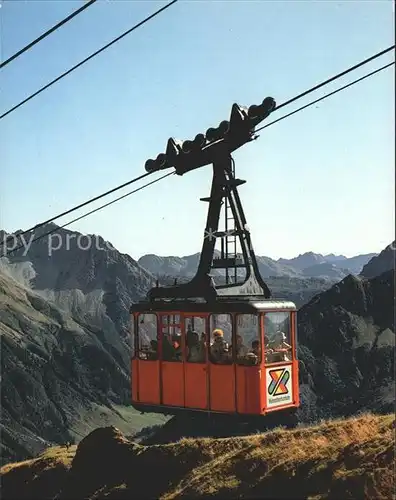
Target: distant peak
point(334, 256)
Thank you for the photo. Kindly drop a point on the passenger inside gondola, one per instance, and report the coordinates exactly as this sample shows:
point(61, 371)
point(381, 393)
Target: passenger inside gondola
point(168, 351)
point(219, 347)
point(277, 327)
point(241, 350)
point(268, 351)
point(189, 335)
point(280, 346)
point(195, 349)
point(253, 357)
point(152, 354)
point(256, 348)
point(177, 346)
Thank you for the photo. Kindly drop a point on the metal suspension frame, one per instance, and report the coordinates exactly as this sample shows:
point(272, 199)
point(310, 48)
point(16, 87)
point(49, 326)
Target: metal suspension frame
point(202, 286)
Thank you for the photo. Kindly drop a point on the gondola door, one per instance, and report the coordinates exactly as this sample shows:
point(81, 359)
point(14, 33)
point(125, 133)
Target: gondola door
point(222, 371)
point(145, 363)
point(171, 364)
point(195, 367)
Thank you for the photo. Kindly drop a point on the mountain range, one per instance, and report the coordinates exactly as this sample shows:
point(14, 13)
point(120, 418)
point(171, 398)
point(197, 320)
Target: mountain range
point(64, 324)
point(298, 279)
point(306, 265)
point(65, 346)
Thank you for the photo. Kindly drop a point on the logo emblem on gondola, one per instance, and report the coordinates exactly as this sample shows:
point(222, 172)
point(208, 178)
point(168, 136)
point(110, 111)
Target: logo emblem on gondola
point(278, 384)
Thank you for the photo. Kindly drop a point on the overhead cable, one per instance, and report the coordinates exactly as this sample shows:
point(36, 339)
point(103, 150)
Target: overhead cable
point(339, 75)
point(81, 205)
point(88, 213)
point(265, 126)
point(329, 80)
point(37, 226)
point(87, 59)
point(327, 95)
point(51, 30)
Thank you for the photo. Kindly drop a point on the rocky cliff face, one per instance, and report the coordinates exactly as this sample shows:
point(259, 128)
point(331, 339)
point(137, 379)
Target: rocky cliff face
point(81, 273)
point(64, 341)
point(346, 344)
point(380, 263)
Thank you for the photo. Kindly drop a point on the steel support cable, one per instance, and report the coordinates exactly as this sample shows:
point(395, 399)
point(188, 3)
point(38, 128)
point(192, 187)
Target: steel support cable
point(81, 205)
point(339, 75)
point(48, 233)
point(327, 95)
point(87, 59)
point(48, 32)
point(268, 125)
point(326, 82)
point(147, 174)
point(172, 173)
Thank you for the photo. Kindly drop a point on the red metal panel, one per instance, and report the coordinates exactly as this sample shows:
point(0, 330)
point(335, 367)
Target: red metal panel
point(263, 391)
point(222, 388)
point(172, 383)
point(196, 385)
point(249, 392)
point(241, 389)
point(296, 384)
point(252, 389)
point(148, 381)
point(134, 380)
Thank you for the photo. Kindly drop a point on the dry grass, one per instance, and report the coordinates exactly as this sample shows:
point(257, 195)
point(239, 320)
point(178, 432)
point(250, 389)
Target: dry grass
point(321, 461)
point(37, 478)
point(346, 459)
point(57, 455)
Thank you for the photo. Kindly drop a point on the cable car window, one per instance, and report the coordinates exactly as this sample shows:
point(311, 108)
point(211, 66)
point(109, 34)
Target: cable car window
point(171, 338)
point(247, 350)
point(147, 337)
point(195, 340)
point(277, 337)
point(171, 319)
point(220, 340)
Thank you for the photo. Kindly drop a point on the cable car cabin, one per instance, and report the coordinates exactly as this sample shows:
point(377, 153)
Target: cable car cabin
point(223, 347)
point(239, 357)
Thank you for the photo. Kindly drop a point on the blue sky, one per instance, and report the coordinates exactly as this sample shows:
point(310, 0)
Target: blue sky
point(322, 180)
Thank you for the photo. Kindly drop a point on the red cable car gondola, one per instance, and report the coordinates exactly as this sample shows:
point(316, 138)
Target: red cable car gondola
point(228, 348)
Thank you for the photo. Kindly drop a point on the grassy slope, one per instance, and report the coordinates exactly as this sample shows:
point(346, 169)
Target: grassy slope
point(346, 459)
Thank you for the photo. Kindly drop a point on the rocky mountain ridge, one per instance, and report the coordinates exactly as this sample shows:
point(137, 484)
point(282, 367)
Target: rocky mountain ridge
point(346, 345)
point(65, 342)
point(307, 265)
point(61, 375)
point(297, 279)
point(381, 263)
point(78, 277)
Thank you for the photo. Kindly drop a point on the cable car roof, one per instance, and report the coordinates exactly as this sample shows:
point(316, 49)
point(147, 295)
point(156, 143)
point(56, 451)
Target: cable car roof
point(252, 305)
